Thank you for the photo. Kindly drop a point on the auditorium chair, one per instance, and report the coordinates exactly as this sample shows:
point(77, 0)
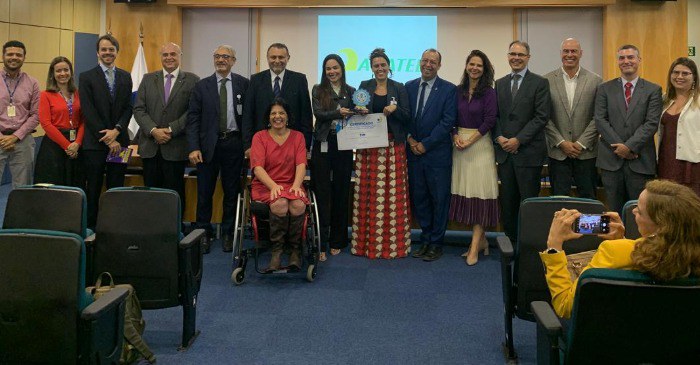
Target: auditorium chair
point(631, 229)
point(138, 241)
point(522, 273)
point(46, 317)
point(623, 317)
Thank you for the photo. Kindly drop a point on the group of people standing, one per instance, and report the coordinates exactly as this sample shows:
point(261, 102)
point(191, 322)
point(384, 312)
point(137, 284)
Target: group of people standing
point(448, 145)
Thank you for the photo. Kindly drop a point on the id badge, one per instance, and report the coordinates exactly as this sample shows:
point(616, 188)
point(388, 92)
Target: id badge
point(11, 112)
point(72, 135)
point(324, 147)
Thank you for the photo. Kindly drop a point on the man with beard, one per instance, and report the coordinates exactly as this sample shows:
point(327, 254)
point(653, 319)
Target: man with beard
point(214, 141)
point(523, 112)
point(105, 96)
point(19, 115)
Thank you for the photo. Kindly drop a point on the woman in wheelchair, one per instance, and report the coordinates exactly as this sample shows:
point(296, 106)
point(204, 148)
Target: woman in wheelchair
point(278, 162)
point(668, 217)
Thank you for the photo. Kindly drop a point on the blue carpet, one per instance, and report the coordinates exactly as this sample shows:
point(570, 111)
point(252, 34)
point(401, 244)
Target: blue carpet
point(357, 311)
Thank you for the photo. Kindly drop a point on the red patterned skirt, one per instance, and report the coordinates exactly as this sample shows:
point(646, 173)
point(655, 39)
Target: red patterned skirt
point(381, 223)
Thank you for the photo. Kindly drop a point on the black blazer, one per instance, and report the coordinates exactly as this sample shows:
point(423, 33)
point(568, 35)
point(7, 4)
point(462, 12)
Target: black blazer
point(295, 91)
point(203, 115)
point(324, 117)
point(524, 118)
point(400, 120)
point(100, 110)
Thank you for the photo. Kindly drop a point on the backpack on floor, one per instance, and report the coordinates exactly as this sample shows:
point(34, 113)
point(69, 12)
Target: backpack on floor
point(134, 347)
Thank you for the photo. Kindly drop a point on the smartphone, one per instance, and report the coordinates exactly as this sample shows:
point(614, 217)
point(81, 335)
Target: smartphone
point(592, 224)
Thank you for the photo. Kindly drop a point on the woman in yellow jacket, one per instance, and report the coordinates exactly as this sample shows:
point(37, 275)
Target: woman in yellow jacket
point(668, 217)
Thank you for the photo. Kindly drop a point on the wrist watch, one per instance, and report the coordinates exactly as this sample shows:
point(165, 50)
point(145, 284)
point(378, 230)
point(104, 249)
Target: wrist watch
point(551, 250)
point(118, 127)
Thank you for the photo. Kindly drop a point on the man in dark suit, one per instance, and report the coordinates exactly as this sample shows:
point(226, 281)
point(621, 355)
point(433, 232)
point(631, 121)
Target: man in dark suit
point(214, 140)
point(105, 98)
point(434, 111)
point(523, 112)
point(277, 81)
point(161, 112)
point(627, 113)
point(572, 138)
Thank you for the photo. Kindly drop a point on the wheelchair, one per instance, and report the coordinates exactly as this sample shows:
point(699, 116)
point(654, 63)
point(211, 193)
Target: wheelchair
point(252, 223)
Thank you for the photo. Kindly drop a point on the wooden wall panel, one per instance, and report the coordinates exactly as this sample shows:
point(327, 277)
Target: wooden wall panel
point(4, 10)
point(42, 43)
point(66, 44)
point(659, 29)
point(67, 14)
point(161, 23)
point(86, 16)
point(36, 12)
point(37, 71)
point(4, 33)
point(385, 3)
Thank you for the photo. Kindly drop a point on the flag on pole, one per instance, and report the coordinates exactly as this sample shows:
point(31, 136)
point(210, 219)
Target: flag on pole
point(137, 71)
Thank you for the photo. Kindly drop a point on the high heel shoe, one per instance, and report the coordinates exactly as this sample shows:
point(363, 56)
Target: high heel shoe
point(483, 246)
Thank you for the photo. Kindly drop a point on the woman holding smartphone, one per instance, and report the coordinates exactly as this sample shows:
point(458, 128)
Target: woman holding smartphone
point(668, 217)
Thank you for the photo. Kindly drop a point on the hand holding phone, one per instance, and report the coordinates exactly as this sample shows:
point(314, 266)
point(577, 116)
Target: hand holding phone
point(592, 224)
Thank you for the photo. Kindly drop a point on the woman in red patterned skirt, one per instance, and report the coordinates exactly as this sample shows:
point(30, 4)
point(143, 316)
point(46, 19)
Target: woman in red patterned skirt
point(381, 223)
point(679, 130)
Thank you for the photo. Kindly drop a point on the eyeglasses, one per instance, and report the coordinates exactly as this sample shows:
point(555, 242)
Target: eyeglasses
point(521, 55)
point(681, 73)
point(224, 56)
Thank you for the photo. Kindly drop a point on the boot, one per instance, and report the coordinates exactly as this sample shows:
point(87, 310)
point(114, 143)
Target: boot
point(278, 227)
point(296, 226)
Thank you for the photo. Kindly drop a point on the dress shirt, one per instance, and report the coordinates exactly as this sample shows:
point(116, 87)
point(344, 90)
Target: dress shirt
point(25, 100)
point(175, 74)
point(230, 111)
point(570, 85)
point(522, 77)
point(634, 84)
point(428, 88)
point(272, 78)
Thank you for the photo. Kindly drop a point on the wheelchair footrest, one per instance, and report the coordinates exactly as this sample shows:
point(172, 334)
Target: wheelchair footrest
point(283, 270)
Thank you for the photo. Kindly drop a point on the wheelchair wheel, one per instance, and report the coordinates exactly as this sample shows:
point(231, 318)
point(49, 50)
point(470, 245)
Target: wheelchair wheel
point(238, 276)
point(311, 273)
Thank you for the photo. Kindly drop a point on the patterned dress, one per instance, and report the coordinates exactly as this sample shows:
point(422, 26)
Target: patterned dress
point(381, 223)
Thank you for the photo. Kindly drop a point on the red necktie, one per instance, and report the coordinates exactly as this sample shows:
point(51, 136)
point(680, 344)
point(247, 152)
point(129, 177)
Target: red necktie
point(628, 94)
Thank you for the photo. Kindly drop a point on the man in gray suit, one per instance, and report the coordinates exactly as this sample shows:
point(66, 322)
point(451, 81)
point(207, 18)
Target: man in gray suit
point(627, 112)
point(521, 151)
point(571, 134)
point(161, 112)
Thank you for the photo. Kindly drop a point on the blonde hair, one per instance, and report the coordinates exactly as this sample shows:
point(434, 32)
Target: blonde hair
point(674, 251)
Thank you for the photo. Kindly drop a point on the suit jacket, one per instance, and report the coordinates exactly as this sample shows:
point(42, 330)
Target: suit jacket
point(434, 129)
point(613, 254)
point(634, 126)
point(295, 91)
point(151, 111)
point(400, 120)
point(576, 123)
point(100, 110)
point(523, 118)
point(325, 117)
point(203, 115)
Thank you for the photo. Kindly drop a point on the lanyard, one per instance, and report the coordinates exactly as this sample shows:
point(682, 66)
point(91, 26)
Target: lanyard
point(12, 92)
point(69, 103)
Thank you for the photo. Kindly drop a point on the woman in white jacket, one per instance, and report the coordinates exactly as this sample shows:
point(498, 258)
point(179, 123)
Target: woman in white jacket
point(679, 130)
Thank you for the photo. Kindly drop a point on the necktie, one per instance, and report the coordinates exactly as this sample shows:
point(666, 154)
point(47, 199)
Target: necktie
point(276, 89)
point(110, 81)
point(223, 112)
point(419, 110)
point(168, 84)
point(628, 94)
point(514, 87)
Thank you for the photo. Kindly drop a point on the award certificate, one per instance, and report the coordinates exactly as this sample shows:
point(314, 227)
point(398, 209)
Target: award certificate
point(364, 131)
